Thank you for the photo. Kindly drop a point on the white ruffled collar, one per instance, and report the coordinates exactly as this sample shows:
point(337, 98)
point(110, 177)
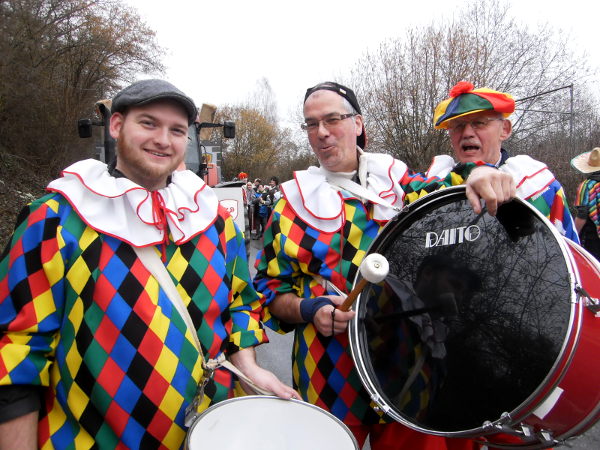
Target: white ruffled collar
point(123, 209)
point(320, 204)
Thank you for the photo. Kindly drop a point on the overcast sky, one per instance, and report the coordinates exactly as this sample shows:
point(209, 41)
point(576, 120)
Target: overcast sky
point(217, 51)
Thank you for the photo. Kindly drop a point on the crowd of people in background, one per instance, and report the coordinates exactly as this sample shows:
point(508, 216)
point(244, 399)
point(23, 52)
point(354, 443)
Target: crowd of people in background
point(259, 199)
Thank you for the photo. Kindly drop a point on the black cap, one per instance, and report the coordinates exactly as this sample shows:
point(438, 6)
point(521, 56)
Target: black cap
point(348, 94)
point(148, 91)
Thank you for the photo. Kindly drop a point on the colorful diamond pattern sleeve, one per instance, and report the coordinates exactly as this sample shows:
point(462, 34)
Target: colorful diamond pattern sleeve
point(295, 254)
point(81, 315)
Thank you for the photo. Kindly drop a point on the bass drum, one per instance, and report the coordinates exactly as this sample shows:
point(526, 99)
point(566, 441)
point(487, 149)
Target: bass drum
point(485, 327)
point(258, 422)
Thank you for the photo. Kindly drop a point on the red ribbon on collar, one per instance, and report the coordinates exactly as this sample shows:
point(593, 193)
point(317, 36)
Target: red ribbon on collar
point(159, 217)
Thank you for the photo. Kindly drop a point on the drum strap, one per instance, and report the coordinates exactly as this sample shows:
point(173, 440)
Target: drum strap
point(357, 189)
point(153, 263)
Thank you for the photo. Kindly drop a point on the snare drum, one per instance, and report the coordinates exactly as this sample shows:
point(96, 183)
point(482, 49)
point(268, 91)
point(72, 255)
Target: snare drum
point(268, 423)
point(485, 327)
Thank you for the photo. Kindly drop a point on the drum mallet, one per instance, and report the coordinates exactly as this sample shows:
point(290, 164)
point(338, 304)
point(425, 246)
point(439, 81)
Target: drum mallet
point(374, 269)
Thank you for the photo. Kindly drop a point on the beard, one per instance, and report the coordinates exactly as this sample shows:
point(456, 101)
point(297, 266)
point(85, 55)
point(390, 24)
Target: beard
point(136, 165)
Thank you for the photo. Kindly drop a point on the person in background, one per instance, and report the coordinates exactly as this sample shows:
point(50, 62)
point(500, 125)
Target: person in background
point(587, 201)
point(93, 352)
point(274, 188)
point(255, 230)
point(261, 207)
point(273, 194)
point(248, 196)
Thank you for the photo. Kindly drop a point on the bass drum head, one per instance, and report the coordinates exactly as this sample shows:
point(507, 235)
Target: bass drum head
point(471, 319)
point(268, 423)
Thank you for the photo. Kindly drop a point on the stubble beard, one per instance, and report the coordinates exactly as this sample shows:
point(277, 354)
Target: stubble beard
point(137, 168)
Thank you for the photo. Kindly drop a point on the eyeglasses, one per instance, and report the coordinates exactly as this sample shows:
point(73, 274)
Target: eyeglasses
point(458, 126)
point(329, 122)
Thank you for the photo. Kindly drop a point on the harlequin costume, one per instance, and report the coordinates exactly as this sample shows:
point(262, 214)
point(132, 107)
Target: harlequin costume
point(320, 232)
point(84, 319)
point(535, 182)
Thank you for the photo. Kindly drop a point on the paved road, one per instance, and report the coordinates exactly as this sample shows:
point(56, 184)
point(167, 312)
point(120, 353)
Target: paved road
point(275, 356)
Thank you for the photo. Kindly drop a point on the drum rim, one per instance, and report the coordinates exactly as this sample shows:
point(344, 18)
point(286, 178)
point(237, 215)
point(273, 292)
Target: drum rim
point(271, 397)
point(555, 373)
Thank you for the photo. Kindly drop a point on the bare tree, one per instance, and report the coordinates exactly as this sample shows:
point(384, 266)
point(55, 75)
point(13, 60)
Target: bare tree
point(402, 81)
point(262, 147)
point(263, 100)
point(254, 149)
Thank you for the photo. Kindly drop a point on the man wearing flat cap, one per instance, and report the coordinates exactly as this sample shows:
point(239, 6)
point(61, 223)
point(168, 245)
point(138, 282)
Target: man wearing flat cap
point(477, 124)
point(587, 201)
point(100, 347)
point(319, 233)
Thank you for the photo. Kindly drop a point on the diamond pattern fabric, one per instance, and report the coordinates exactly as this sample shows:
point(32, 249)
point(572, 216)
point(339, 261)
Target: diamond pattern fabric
point(83, 316)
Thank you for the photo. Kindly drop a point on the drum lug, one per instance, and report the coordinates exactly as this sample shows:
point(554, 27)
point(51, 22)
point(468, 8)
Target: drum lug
point(524, 431)
point(527, 431)
point(500, 425)
point(545, 437)
point(591, 303)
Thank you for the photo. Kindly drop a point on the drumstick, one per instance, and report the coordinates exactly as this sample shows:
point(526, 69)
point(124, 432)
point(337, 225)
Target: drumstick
point(374, 269)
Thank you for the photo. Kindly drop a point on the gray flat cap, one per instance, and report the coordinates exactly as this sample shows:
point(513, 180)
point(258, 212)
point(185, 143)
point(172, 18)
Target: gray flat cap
point(148, 91)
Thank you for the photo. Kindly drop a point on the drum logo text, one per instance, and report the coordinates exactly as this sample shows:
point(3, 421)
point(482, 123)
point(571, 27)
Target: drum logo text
point(452, 236)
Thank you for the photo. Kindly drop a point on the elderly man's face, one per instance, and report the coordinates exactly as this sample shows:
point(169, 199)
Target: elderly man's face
point(479, 136)
point(334, 146)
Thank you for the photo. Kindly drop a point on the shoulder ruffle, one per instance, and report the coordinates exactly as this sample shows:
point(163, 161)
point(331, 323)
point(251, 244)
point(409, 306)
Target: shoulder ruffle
point(441, 166)
point(532, 177)
point(320, 205)
point(123, 209)
point(314, 200)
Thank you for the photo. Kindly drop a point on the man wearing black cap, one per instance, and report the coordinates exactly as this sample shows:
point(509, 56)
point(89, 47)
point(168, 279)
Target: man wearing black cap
point(319, 233)
point(99, 345)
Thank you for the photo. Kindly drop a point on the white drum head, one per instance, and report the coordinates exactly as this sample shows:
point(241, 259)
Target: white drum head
point(268, 423)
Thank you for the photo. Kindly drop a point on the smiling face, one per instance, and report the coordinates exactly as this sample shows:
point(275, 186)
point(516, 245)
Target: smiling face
point(151, 142)
point(483, 144)
point(335, 147)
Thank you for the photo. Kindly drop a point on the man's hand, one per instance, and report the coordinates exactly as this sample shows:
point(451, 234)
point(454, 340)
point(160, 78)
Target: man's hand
point(288, 307)
point(329, 324)
point(245, 361)
point(491, 185)
point(20, 433)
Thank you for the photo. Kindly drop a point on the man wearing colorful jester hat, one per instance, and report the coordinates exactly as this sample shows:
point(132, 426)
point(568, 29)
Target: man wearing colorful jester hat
point(319, 233)
point(93, 349)
point(477, 124)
